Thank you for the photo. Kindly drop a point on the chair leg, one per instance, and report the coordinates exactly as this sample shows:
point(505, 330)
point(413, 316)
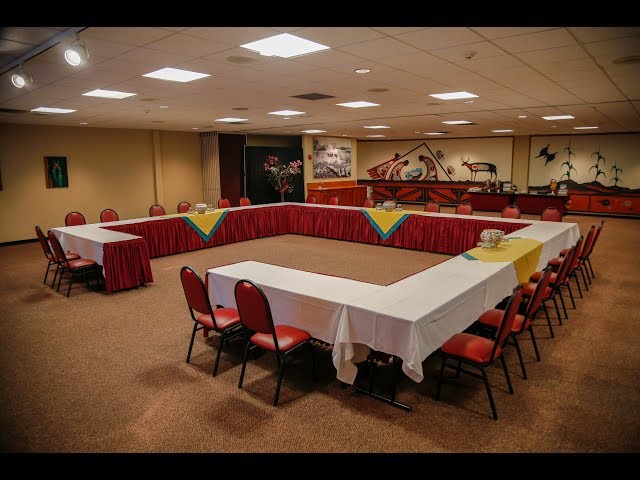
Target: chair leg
point(506, 374)
point(575, 275)
point(515, 342)
point(46, 273)
point(535, 344)
point(70, 283)
point(444, 359)
point(314, 372)
point(193, 336)
point(245, 357)
point(564, 307)
point(586, 269)
point(584, 278)
point(571, 294)
point(280, 375)
point(555, 303)
point(593, 275)
point(215, 367)
point(458, 368)
point(546, 312)
point(55, 277)
point(488, 387)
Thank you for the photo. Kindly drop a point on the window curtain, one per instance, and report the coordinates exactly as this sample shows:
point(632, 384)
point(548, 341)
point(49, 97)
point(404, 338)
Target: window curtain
point(209, 153)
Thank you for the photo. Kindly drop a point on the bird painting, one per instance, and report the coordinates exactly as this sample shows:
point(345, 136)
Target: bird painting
point(548, 157)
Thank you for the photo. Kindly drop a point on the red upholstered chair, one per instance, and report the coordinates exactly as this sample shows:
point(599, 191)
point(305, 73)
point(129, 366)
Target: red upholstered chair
point(283, 340)
point(245, 202)
point(224, 321)
point(511, 211)
point(491, 319)
point(551, 214)
point(74, 218)
point(432, 206)
point(156, 210)
point(464, 208)
point(586, 257)
point(369, 203)
point(577, 265)
point(333, 200)
point(51, 258)
point(556, 281)
point(109, 215)
point(183, 207)
point(80, 267)
point(224, 203)
point(311, 198)
point(480, 352)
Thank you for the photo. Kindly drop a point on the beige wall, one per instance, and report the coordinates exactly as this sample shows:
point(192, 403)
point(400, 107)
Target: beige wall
point(520, 168)
point(107, 168)
point(307, 153)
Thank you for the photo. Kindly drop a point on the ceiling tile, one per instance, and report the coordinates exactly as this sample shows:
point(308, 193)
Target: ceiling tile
point(379, 48)
point(187, 45)
point(439, 37)
point(338, 36)
point(501, 32)
point(558, 37)
point(130, 35)
point(597, 34)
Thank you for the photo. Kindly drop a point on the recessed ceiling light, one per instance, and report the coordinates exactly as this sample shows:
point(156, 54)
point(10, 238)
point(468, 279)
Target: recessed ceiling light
point(417, 132)
point(194, 128)
point(522, 116)
point(358, 104)
point(286, 113)
point(163, 106)
point(375, 136)
point(469, 101)
point(554, 126)
point(108, 94)
point(83, 123)
point(434, 133)
point(376, 126)
point(284, 45)
point(584, 128)
point(362, 70)
point(501, 131)
point(453, 95)
point(559, 117)
point(344, 134)
point(231, 120)
point(175, 75)
point(286, 118)
point(52, 110)
point(313, 131)
point(457, 122)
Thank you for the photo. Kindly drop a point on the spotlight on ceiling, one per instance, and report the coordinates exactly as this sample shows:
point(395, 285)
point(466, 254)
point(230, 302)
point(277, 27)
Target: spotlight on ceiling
point(21, 79)
point(76, 54)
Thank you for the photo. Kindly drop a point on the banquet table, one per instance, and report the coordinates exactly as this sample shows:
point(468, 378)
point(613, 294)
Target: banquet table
point(410, 318)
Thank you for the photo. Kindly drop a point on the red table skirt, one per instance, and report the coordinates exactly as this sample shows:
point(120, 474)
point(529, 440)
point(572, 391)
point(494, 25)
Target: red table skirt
point(126, 263)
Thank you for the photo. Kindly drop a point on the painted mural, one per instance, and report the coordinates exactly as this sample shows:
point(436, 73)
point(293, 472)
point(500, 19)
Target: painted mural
point(453, 160)
point(602, 172)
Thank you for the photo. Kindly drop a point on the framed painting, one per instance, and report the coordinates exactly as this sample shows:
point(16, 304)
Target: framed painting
point(331, 157)
point(55, 171)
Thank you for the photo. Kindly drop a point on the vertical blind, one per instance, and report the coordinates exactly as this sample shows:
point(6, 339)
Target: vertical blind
point(210, 167)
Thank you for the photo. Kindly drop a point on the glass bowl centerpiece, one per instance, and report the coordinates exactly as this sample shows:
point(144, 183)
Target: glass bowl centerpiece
point(200, 207)
point(491, 238)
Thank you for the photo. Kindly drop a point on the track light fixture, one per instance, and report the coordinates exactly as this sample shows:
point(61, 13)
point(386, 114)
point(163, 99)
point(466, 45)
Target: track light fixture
point(21, 79)
point(76, 54)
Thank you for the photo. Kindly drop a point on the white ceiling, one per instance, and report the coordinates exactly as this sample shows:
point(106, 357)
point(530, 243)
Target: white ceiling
point(514, 70)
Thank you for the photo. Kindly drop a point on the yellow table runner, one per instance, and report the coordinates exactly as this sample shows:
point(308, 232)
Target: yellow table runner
point(204, 224)
point(523, 252)
point(385, 223)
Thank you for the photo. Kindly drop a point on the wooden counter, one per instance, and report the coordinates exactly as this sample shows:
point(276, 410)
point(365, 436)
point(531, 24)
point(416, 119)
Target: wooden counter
point(530, 203)
point(348, 192)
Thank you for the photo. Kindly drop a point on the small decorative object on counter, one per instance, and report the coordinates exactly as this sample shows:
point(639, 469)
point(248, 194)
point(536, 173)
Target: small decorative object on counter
point(398, 207)
point(200, 207)
point(389, 205)
point(553, 186)
point(491, 238)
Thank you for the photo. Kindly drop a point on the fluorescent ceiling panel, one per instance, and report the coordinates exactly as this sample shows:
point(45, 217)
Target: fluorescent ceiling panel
point(358, 104)
point(559, 117)
point(287, 113)
point(108, 94)
point(284, 45)
point(453, 95)
point(175, 75)
point(52, 110)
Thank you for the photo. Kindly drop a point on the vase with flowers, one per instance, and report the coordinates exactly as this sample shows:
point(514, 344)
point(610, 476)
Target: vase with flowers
point(280, 175)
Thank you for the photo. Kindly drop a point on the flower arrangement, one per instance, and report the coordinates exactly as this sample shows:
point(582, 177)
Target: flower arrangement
point(280, 176)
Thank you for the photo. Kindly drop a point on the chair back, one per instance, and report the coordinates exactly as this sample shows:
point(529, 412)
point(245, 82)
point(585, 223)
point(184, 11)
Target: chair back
point(576, 256)
point(551, 214)
point(44, 244)
point(432, 206)
point(507, 319)
point(588, 242)
point(74, 218)
point(109, 215)
point(564, 267)
point(595, 239)
point(253, 307)
point(57, 249)
point(245, 202)
point(183, 207)
point(538, 295)
point(511, 211)
point(156, 210)
point(311, 198)
point(195, 292)
point(464, 208)
point(369, 203)
point(224, 203)
point(333, 200)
